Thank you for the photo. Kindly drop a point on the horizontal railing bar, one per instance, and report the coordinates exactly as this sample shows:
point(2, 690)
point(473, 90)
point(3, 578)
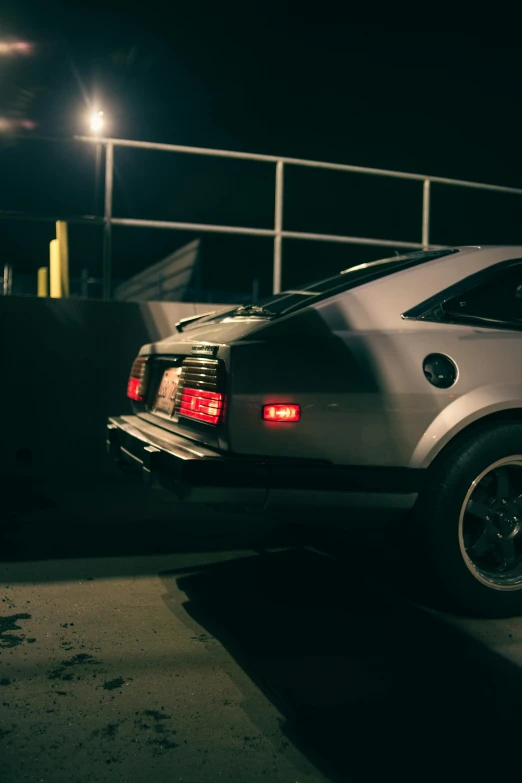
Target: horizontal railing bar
point(260, 232)
point(180, 148)
point(357, 240)
point(211, 228)
point(462, 183)
point(267, 232)
point(32, 218)
point(297, 162)
point(274, 159)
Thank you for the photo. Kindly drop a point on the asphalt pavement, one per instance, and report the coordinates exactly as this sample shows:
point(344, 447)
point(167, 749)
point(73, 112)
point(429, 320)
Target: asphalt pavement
point(143, 640)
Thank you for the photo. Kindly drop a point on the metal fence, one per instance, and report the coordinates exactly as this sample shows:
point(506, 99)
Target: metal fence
point(277, 232)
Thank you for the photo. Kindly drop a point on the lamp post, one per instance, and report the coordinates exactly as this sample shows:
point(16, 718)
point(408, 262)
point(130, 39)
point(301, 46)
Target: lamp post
point(96, 123)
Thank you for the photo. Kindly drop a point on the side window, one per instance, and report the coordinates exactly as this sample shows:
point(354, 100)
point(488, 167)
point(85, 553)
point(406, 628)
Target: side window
point(498, 299)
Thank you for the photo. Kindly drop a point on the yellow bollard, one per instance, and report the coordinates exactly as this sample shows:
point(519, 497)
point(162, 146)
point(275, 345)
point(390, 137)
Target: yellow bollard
point(54, 269)
point(63, 239)
point(43, 281)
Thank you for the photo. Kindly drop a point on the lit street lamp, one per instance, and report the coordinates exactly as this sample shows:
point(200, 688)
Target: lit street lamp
point(96, 122)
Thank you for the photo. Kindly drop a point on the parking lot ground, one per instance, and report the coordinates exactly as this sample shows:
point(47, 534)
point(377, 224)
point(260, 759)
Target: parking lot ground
point(143, 640)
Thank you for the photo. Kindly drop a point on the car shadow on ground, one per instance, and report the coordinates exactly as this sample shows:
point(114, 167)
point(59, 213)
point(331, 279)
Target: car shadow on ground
point(116, 519)
point(370, 685)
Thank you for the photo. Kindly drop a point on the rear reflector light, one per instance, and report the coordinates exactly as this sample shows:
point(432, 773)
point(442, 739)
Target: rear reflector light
point(202, 405)
point(281, 412)
point(136, 386)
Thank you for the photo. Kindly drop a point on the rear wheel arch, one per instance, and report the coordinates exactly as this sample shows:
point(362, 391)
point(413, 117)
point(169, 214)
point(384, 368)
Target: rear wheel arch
point(474, 429)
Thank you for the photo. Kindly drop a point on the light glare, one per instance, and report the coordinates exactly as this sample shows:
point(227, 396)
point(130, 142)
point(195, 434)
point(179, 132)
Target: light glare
point(12, 124)
point(15, 47)
point(97, 122)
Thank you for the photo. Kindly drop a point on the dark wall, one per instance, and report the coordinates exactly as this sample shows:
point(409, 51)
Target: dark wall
point(64, 369)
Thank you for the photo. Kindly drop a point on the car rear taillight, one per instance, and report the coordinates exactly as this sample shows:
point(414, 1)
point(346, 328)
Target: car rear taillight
point(137, 384)
point(202, 405)
point(201, 390)
point(281, 412)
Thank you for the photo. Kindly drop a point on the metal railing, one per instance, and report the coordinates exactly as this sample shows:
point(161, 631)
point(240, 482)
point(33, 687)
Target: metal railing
point(277, 232)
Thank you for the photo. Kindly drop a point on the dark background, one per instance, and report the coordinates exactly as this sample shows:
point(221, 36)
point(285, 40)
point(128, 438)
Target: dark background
point(428, 98)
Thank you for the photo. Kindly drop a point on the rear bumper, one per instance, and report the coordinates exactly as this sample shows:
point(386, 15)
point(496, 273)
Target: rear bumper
point(197, 473)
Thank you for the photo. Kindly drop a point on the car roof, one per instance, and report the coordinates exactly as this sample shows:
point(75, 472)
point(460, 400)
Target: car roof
point(380, 303)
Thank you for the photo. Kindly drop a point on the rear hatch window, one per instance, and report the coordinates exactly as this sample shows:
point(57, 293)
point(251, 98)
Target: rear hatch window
point(297, 299)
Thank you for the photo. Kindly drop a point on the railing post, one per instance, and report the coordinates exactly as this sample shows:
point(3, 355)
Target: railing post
point(278, 228)
point(8, 280)
point(426, 215)
point(107, 227)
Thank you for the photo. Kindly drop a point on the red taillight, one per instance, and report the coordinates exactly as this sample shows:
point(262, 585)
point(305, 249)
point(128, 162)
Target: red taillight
point(205, 406)
point(133, 389)
point(137, 381)
point(281, 412)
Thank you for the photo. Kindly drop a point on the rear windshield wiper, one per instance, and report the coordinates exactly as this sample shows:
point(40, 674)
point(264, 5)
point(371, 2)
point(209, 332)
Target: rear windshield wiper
point(251, 309)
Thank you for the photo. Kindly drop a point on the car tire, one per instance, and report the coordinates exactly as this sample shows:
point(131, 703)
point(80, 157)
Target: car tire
point(466, 534)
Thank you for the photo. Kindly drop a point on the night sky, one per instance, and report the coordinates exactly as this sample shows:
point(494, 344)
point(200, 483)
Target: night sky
point(261, 79)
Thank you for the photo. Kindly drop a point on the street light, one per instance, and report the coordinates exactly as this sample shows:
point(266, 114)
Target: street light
point(97, 121)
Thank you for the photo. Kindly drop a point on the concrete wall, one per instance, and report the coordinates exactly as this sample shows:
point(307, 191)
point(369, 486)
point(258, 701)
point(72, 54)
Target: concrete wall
point(64, 369)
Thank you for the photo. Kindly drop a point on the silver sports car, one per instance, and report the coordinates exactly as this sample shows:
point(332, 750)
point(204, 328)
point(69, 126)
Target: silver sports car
point(394, 385)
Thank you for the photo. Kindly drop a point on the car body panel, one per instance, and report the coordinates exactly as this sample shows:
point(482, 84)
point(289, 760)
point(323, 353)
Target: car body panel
point(354, 364)
point(466, 410)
